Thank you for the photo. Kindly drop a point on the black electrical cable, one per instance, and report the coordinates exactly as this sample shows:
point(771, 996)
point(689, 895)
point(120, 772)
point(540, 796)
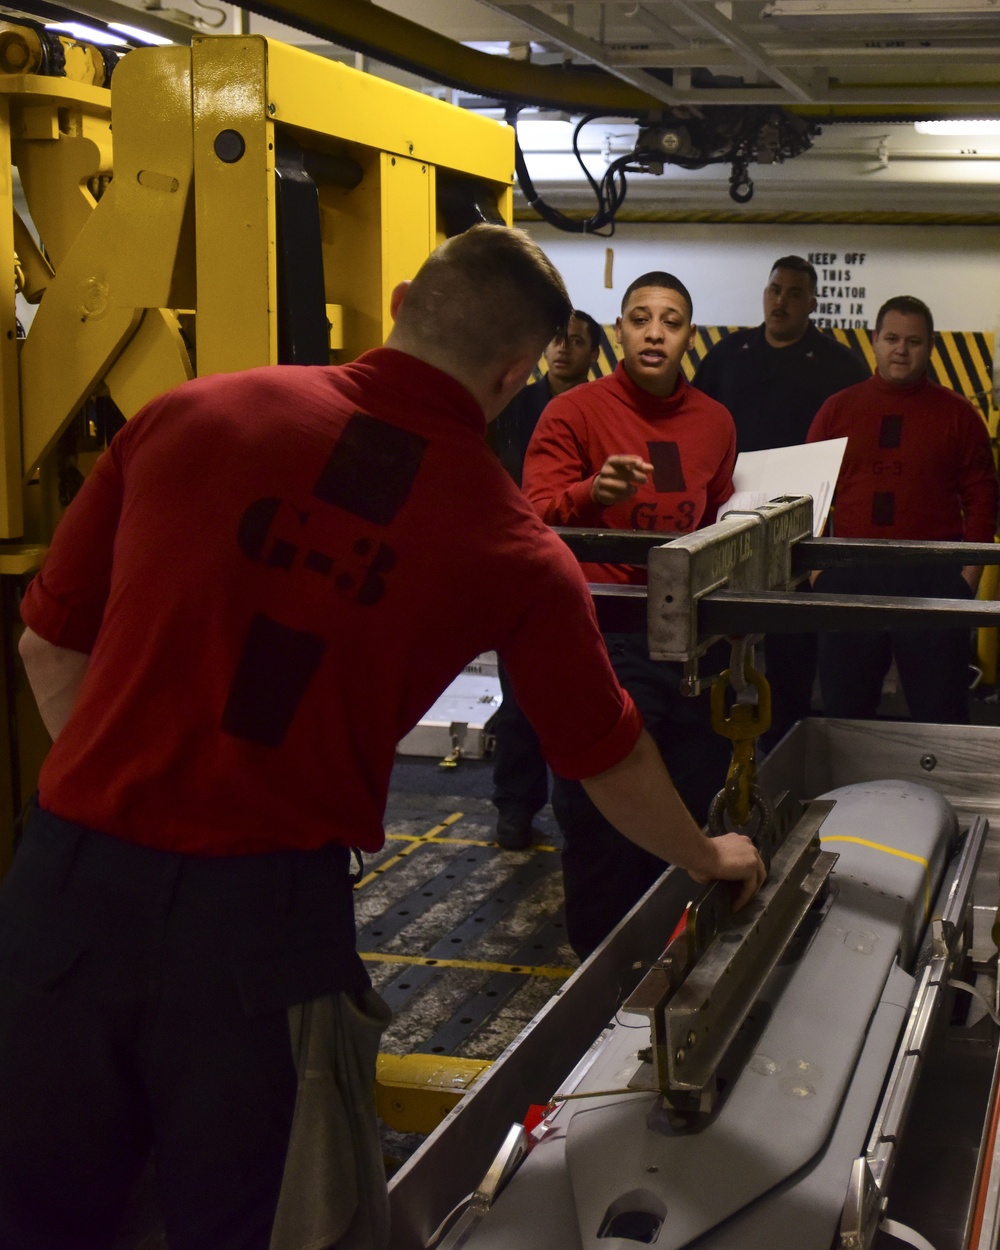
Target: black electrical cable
point(610, 191)
point(588, 117)
point(731, 137)
point(551, 215)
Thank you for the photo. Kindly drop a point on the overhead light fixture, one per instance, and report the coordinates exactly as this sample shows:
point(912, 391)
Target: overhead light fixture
point(87, 34)
point(544, 135)
point(140, 36)
point(493, 47)
point(959, 126)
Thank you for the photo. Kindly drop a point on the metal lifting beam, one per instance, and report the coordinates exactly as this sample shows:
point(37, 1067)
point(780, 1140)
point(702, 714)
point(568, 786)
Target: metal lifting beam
point(808, 554)
point(740, 575)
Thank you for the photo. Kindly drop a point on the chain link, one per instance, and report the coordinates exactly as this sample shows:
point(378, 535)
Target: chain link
point(744, 722)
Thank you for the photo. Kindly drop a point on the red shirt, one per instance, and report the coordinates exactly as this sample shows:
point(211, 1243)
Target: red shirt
point(918, 463)
point(688, 438)
point(275, 574)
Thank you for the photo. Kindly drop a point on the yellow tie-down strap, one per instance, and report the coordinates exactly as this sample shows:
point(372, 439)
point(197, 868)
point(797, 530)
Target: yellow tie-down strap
point(891, 850)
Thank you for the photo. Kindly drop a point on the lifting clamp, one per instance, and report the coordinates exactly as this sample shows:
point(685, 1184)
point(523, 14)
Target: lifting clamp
point(741, 799)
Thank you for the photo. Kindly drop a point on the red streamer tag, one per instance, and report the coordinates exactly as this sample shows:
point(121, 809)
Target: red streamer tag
point(536, 1114)
point(681, 925)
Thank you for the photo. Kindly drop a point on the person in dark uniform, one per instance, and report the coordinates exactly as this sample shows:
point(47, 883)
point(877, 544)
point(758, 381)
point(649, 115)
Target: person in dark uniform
point(773, 378)
point(569, 359)
point(520, 777)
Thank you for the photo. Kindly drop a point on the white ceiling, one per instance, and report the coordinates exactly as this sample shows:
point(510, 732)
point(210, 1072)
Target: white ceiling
point(821, 54)
point(818, 52)
point(877, 62)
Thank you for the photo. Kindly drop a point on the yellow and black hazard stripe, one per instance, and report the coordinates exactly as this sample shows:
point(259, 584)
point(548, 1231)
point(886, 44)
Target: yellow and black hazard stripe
point(965, 363)
point(961, 359)
point(609, 353)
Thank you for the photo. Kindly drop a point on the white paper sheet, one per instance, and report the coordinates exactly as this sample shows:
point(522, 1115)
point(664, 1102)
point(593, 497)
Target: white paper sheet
point(811, 469)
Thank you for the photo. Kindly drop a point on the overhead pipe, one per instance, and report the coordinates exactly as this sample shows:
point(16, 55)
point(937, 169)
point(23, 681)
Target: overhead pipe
point(373, 31)
point(364, 27)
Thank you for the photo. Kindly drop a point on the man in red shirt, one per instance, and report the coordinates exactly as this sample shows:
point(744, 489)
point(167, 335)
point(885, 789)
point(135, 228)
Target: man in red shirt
point(236, 622)
point(639, 449)
point(918, 465)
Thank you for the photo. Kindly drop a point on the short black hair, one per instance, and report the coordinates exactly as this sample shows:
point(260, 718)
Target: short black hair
point(800, 265)
point(593, 327)
point(910, 306)
point(657, 277)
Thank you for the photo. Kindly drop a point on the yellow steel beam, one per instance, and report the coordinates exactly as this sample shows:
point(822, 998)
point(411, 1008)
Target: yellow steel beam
point(380, 232)
point(184, 216)
point(313, 94)
point(21, 560)
point(35, 267)
point(78, 326)
point(61, 90)
point(237, 313)
point(154, 360)
point(413, 1093)
point(351, 239)
point(60, 147)
point(154, 174)
point(11, 509)
point(61, 144)
point(408, 224)
point(120, 262)
point(986, 639)
point(154, 171)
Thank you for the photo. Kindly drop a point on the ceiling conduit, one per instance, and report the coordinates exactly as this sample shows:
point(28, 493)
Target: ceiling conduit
point(364, 27)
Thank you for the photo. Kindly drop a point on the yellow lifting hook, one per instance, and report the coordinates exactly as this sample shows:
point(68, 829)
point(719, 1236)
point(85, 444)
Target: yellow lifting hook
point(742, 725)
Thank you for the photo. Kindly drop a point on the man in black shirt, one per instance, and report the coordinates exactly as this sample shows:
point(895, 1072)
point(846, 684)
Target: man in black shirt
point(569, 357)
point(773, 379)
point(520, 778)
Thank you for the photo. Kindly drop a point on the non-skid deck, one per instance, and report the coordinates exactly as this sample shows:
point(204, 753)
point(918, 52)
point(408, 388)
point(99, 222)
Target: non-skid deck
point(464, 941)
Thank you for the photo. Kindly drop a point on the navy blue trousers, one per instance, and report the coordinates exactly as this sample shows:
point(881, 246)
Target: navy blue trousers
point(520, 775)
point(933, 664)
point(604, 874)
point(143, 1006)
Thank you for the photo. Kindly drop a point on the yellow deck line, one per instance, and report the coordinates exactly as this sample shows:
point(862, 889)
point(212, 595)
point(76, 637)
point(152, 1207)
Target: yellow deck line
point(426, 837)
point(476, 965)
point(891, 850)
point(394, 859)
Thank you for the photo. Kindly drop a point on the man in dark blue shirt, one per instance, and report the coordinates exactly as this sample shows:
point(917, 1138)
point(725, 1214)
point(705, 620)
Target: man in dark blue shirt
point(569, 358)
point(773, 379)
point(520, 778)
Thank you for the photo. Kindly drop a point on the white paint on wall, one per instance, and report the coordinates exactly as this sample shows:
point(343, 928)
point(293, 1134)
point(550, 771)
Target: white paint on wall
point(955, 269)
